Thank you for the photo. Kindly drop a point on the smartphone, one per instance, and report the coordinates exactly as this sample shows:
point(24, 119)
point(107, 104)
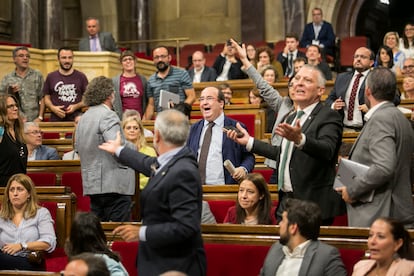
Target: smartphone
point(239, 133)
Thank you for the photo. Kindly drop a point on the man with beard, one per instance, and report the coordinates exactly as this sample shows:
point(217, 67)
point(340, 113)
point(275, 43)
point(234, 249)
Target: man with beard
point(64, 88)
point(299, 252)
point(167, 78)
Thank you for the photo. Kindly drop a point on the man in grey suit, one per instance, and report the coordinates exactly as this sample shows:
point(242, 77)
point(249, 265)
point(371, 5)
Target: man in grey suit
point(97, 41)
point(108, 183)
point(385, 145)
point(299, 252)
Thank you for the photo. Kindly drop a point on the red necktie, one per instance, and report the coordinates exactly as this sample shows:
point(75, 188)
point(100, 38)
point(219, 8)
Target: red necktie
point(351, 103)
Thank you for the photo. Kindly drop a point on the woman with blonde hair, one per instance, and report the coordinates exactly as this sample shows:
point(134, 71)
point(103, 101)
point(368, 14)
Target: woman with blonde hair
point(24, 226)
point(392, 39)
point(134, 133)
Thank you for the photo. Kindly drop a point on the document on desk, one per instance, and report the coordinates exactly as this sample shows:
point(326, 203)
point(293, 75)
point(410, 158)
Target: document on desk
point(347, 171)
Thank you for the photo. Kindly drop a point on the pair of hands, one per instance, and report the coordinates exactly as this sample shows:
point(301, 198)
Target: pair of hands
point(61, 111)
point(340, 104)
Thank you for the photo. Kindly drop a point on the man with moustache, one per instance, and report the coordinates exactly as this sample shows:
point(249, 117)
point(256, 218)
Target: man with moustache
point(64, 88)
point(299, 252)
point(167, 78)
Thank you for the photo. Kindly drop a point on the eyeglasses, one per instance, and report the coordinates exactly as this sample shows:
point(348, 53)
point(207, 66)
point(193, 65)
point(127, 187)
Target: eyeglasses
point(35, 132)
point(409, 67)
point(160, 57)
point(361, 56)
point(409, 29)
point(12, 105)
point(314, 14)
point(207, 99)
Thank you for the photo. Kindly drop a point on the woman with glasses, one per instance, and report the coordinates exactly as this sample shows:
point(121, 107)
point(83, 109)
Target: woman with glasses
point(13, 157)
point(134, 133)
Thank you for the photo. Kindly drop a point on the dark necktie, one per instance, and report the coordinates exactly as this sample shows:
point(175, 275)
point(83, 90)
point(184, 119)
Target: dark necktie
point(202, 161)
point(285, 154)
point(352, 97)
point(289, 70)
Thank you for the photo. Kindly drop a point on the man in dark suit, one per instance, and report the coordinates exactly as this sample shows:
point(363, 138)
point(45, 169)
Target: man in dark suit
point(339, 98)
point(319, 32)
point(289, 54)
point(97, 41)
point(385, 144)
point(227, 65)
point(299, 231)
point(200, 72)
point(221, 148)
point(170, 236)
point(307, 155)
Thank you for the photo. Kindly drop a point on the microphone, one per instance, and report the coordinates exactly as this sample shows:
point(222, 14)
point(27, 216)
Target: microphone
point(229, 166)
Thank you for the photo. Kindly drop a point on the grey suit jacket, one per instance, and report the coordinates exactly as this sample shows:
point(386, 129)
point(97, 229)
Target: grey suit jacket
point(385, 144)
point(106, 40)
point(101, 172)
point(46, 153)
point(320, 260)
point(281, 105)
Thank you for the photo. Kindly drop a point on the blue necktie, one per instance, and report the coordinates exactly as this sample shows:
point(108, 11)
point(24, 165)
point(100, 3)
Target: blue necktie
point(285, 154)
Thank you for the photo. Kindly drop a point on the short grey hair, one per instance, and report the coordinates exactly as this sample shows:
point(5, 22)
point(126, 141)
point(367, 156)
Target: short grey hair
point(173, 126)
point(27, 125)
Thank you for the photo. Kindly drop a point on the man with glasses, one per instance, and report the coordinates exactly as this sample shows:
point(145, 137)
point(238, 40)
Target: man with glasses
point(33, 138)
point(319, 32)
point(212, 154)
point(169, 78)
point(347, 96)
point(408, 67)
point(26, 84)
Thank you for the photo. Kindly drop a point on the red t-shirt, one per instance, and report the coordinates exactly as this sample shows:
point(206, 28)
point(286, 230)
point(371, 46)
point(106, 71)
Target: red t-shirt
point(132, 93)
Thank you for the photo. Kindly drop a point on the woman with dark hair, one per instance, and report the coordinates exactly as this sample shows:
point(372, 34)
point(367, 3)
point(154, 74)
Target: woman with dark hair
point(385, 57)
point(407, 40)
point(264, 57)
point(253, 204)
point(391, 250)
point(24, 226)
point(87, 235)
point(13, 157)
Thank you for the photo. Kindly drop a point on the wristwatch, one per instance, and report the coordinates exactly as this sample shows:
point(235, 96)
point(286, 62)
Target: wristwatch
point(24, 246)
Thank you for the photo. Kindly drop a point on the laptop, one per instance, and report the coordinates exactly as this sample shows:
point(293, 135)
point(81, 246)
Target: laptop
point(347, 171)
point(166, 97)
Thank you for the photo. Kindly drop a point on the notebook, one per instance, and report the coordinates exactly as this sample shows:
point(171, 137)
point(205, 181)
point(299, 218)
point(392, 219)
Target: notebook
point(166, 97)
point(347, 171)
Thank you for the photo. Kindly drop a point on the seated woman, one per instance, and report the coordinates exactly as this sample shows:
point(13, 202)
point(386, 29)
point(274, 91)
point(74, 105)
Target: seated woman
point(253, 205)
point(87, 235)
point(390, 248)
point(134, 132)
point(24, 226)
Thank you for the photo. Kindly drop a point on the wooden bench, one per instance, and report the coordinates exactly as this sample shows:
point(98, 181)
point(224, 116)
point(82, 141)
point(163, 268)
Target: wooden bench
point(56, 166)
point(66, 208)
point(61, 129)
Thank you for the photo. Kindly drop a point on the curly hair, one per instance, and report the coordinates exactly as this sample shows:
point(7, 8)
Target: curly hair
point(98, 90)
point(268, 51)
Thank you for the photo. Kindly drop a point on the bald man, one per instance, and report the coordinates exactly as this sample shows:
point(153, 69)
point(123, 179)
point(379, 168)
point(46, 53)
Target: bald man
point(200, 72)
